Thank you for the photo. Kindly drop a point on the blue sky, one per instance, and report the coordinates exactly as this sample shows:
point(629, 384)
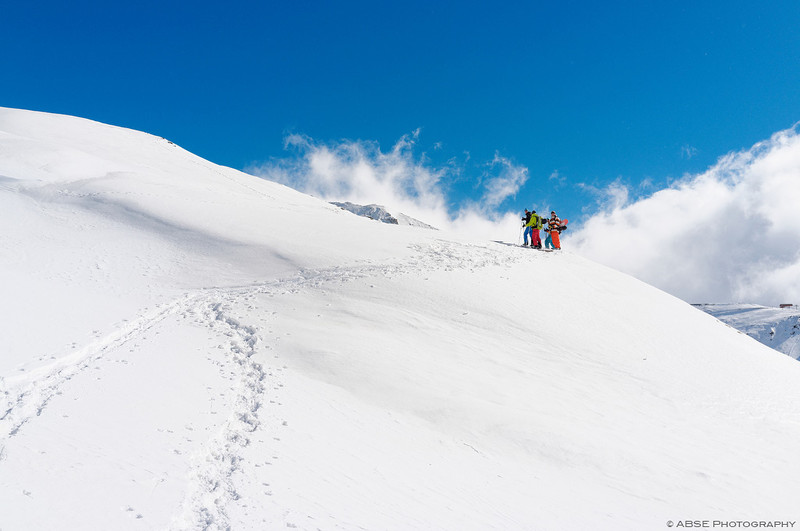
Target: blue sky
point(578, 94)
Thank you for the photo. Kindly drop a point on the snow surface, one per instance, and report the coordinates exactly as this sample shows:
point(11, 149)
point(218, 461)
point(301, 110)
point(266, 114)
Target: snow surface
point(778, 328)
point(185, 346)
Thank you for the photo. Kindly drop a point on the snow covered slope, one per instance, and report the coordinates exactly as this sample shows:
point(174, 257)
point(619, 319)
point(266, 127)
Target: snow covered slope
point(188, 347)
point(778, 328)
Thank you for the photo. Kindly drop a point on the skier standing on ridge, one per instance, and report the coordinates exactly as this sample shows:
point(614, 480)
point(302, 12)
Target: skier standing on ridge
point(525, 220)
point(553, 230)
point(534, 225)
point(525, 223)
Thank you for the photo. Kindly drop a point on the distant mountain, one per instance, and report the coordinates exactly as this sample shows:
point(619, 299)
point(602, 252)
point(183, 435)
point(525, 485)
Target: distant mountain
point(778, 328)
point(379, 213)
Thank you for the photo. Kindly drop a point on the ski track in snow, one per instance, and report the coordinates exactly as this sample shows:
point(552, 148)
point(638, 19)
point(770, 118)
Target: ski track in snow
point(211, 488)
point(25, 396)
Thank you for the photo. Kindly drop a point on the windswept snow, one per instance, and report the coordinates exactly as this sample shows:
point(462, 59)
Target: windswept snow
point(188, 347)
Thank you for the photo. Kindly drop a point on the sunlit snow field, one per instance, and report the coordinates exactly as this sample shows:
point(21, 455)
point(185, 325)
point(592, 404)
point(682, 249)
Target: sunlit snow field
point(185, 346)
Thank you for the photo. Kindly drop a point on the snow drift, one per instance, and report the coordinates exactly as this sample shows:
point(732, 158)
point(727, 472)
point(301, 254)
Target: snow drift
point(186, 346)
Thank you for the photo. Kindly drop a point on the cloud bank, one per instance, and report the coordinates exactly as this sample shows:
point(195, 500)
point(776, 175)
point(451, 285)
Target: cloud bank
point(360, 172)
point(731, 234)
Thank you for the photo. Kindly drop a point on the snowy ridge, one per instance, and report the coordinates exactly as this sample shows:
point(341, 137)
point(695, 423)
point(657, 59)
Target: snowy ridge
point(197, 365)
point(379, 213)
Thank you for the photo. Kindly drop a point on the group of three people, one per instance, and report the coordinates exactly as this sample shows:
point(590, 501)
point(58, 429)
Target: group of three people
point(534, 223)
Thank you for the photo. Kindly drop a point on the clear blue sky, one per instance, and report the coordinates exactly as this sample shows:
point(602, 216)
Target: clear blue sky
point(593, 90)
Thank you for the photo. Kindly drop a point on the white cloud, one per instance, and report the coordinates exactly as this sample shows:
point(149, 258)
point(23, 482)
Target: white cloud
point(360, 172)
point(356, 171)
point(729, 234)
point(505, 184)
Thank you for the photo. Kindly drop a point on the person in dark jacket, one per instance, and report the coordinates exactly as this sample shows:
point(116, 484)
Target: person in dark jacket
point(526, 223)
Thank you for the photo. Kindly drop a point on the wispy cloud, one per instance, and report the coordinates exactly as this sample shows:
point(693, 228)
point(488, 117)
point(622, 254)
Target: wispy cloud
point(688, 152)
point(557, 179)
point(729, 234)
point(400, 179)
point(357, 171)
point(610, 197)
point(505, 180)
